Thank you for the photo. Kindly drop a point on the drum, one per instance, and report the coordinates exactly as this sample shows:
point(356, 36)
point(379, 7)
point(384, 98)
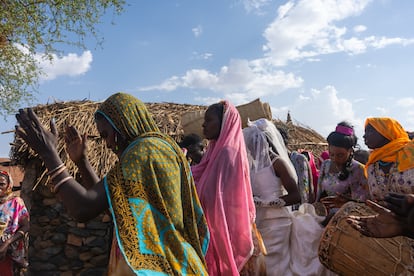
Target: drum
point(345, 251)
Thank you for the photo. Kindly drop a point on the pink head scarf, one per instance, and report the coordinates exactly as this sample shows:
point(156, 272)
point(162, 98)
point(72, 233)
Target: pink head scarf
point(223, 185)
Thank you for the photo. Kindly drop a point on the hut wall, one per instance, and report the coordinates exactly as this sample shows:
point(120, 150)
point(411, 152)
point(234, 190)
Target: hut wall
point(58, 245)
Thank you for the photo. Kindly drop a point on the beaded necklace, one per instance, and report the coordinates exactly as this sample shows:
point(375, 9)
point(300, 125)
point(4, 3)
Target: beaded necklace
point(383, 163)
point(382, 177)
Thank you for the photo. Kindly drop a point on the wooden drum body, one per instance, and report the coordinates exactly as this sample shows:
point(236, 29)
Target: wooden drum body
point(345, 251)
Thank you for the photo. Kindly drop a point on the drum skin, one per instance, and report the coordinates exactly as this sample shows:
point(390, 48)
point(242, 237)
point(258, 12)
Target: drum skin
point(345, 251)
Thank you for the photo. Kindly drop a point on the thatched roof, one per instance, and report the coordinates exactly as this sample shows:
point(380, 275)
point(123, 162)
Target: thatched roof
point(167, 116)
point(303, 137)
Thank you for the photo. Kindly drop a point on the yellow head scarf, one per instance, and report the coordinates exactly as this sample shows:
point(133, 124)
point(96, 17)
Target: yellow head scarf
point(160, 224)
point(400, 149)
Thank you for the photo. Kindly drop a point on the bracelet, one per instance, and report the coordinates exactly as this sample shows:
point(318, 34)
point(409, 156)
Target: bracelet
point(21, 232)
point(57, 185)
point(277, 203)
point(56, 173)
point(55, 169)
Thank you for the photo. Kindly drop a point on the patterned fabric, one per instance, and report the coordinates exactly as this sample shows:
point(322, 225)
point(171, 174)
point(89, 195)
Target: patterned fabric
point(223, 184)
point(399, 150)
point(380, 184)
point(12, 212)
point(324, 155)
point(355, 186)
point(304, 174)
point(159, 223)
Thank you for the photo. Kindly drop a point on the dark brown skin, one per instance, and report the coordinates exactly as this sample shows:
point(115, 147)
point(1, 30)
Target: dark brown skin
point(387, 223)
point(81, 202)
point(282, 171)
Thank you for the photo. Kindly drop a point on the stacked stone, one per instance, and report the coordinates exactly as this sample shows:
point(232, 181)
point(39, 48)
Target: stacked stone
point(61, 246)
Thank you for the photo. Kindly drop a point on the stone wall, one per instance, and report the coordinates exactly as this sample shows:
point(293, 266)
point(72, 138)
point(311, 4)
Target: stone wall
point(59, 245)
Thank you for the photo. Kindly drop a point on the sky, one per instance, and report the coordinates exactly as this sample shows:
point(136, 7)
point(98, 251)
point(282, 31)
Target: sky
point(323, 61)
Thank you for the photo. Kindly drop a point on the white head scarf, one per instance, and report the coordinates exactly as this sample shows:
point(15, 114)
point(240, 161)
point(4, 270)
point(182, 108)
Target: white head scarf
point(263, 140)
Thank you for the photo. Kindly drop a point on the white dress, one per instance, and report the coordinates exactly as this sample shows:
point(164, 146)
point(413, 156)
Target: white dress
point(274, 224)
point(291, 238)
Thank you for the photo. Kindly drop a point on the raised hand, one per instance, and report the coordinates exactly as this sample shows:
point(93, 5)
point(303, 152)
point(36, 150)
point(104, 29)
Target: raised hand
point(36, 136)
point(76, 145)
point(385, 224)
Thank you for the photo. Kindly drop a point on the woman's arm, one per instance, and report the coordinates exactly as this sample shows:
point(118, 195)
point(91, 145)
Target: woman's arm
point(21, 232)
point(288, 181)
point(24, 227)
point(81, 203)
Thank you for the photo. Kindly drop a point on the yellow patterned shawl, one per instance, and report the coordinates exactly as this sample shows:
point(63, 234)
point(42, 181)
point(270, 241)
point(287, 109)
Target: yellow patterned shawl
point(159, 223)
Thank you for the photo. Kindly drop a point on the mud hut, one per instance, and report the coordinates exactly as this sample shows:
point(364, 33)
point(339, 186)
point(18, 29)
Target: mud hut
point(58, 244)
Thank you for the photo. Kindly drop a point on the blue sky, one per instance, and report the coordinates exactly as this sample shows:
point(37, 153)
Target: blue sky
point(323, 60)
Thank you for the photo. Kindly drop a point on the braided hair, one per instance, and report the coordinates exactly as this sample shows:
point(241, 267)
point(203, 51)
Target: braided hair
point(344, 137)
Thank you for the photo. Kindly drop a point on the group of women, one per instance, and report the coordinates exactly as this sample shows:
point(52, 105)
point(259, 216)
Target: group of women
point(387, 174)
point(171, 218)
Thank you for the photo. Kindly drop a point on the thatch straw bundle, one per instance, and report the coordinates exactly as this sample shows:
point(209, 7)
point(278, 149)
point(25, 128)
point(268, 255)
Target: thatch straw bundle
point(302, 137)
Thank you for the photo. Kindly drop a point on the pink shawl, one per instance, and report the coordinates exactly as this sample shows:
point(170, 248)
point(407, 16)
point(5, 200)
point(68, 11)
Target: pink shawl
point(223, 185)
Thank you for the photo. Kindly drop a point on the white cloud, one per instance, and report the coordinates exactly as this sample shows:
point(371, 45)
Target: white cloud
point(208, 100)
point(306, 29)
point(201, 56)
point(197, 31)
point(385, 41)
point(409, 123)
point(360, 28)
point(322, 110)
point(255, 5)
point(303, 29)
point(405, 102)
point(240, 80)
point(354, 45)
point(382, 110)
point(365, 66)
point(69, 65)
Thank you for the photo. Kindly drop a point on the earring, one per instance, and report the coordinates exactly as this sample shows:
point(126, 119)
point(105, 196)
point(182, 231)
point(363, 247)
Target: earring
point(116, 142)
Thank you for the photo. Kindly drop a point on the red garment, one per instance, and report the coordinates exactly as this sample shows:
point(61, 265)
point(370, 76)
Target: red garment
point(6, 267)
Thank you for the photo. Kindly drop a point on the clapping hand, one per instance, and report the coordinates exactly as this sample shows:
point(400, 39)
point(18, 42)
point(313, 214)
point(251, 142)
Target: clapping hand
point(37, 137)
point(76, 145)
